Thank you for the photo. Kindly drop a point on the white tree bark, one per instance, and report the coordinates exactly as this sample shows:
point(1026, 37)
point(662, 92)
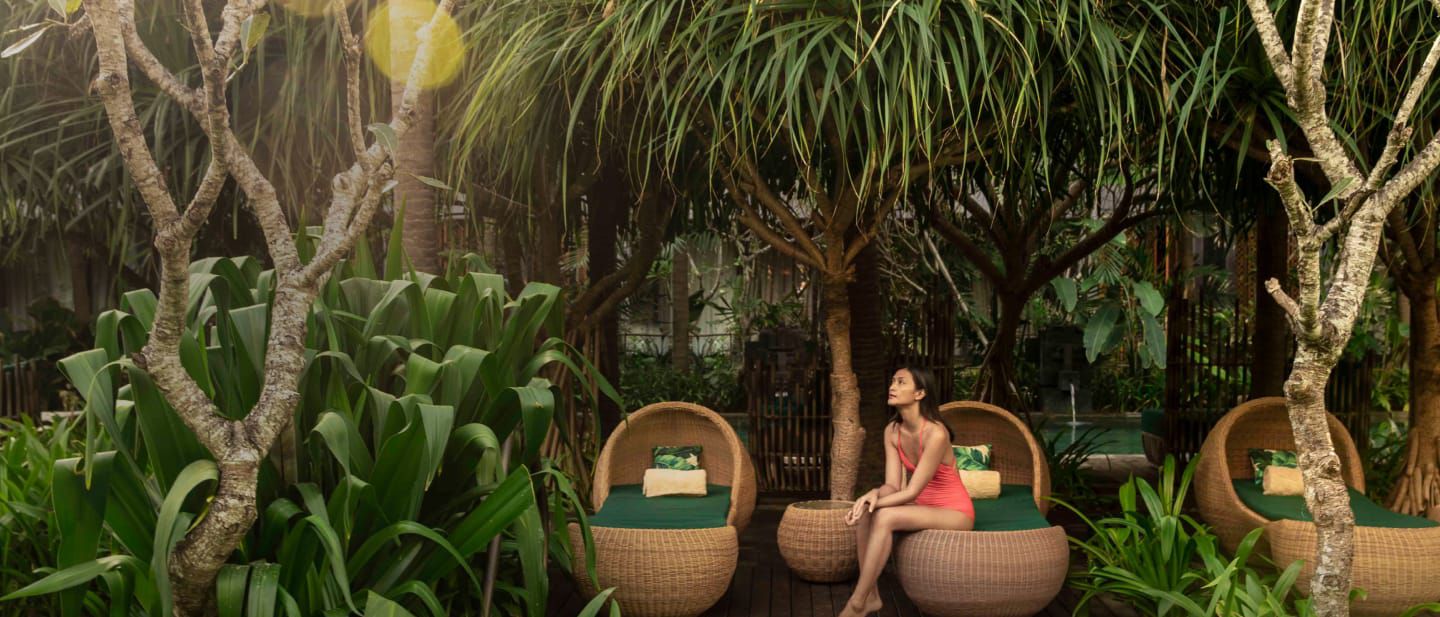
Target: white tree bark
point(1322, 313)
point(238, 446)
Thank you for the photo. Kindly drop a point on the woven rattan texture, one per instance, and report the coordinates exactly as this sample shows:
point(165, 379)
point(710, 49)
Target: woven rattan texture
point(659, 572)
point(1015, 453)
point(1397, 568)
point(992, 573)
point(817, 544)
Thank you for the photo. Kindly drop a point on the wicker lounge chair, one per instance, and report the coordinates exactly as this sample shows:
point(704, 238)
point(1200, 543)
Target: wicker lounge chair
point(1395, 566)
point(1015, 562)
point(681, 570)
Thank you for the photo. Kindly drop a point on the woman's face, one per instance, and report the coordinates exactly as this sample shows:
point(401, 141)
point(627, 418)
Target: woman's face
point(902, 389)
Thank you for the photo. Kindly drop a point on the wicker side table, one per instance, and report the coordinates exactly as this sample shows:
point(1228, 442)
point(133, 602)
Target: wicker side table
point(815, 541)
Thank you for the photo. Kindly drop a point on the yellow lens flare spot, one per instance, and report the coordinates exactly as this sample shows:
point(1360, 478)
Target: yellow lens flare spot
point(309, 8)
point(392, 38)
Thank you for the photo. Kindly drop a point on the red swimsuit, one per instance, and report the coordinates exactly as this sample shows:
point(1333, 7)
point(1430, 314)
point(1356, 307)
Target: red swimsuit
point(944, 490)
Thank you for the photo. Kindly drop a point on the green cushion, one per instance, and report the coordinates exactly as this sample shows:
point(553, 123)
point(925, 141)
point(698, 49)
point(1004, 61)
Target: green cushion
point(684, 458)
point(1013, 510)
point(1292, 507)
point(972, 458)
point(1152, 421)
point(627, 507)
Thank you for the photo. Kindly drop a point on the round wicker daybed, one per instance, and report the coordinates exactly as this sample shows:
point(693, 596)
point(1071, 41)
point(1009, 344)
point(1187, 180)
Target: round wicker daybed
point(1015, 562)
point(1395, 566)
point(658, 571)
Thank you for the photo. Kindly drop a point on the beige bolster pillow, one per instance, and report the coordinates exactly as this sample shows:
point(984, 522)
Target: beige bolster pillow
point(981, 484)
point(659, 482)
point(1283, 481)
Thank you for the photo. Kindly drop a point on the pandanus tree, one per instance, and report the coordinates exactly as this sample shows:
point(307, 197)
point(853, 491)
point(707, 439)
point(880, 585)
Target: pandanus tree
point(238, 445)
point(817, 119)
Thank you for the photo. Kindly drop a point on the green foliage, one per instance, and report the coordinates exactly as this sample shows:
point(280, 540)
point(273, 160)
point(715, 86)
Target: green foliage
point(1119, 387)
point(1385, 460)
point(713, 381)
point(397, 473)
point(1262, 459)
point(1162, 561)
point(28, 537)
point(1067, 479)
point(51, 331)
point(1115, 303)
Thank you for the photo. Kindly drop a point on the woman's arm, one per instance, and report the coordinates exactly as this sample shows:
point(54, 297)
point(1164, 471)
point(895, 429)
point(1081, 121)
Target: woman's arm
point(935, 444)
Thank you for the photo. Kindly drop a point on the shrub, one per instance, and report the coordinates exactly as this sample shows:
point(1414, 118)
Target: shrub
point(395, 480)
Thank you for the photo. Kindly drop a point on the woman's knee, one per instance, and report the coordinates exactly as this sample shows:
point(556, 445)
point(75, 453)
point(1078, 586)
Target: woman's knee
point(883, 520)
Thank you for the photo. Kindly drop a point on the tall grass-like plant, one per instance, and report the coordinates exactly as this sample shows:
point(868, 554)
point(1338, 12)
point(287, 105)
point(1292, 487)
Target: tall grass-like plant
point(410, 468)
point(1164, 562)
point(27, 522)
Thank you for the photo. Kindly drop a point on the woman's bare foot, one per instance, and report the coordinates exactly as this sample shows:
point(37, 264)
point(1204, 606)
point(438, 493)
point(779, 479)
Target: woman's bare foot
point(872, 605)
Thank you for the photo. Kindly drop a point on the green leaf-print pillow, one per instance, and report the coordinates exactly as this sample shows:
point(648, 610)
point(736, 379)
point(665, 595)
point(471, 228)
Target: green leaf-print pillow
point(684, 458)
point(1260, 459)
point(972, 458)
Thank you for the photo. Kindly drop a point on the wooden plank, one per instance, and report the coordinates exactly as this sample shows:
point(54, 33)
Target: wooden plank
point(820, 601)
point(780, 595)
point(800, 600)
point(760, 591)
point(740, 591)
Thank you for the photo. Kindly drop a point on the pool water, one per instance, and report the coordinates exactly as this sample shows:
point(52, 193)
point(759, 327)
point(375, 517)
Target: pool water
point(1114, 438)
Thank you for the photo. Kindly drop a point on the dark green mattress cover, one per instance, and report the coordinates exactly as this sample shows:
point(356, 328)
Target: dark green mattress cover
point(627, 507)
point(1292, 507)
point(1013, 510)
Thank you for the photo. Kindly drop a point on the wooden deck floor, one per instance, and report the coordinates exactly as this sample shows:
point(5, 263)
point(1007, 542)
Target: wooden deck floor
point(764, 587)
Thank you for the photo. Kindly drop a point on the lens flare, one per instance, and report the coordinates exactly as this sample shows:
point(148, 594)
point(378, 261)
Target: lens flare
point(391, 40)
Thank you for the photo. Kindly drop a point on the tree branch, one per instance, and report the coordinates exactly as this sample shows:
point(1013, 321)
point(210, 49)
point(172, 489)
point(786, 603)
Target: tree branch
point(750, 219)
point(970, 250)
point(1274, 45)
point(1287, 304)
point(1282, 177)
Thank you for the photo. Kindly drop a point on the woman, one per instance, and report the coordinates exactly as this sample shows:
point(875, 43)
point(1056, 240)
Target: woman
point(934, 498)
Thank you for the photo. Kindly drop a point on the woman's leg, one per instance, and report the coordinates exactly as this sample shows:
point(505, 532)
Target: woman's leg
point(862, 541)
point(883, 525)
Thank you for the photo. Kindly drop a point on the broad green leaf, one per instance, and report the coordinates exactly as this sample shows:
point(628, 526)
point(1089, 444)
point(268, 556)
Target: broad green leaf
point(1065, 289)
point(433, 183)
point(1154, 340)
point(170, 525)
point(264, 590)
point(81, 515)
point(78, 574)
point(1150, 299)
point(592, 609)
point(230, 586)
point(385, 136)
point(24, 43)
point(1098, 329)
point(378, 606)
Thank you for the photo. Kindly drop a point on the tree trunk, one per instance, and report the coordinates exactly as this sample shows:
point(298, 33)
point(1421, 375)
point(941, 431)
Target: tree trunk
point(606, 211)
point(1418, 489)
point(415, 156)
point(849, 436)
point(996, 384)
point(1270, 338)
point(872, 362)
point(78, 260)
point(1325, 492)
point(680, 309)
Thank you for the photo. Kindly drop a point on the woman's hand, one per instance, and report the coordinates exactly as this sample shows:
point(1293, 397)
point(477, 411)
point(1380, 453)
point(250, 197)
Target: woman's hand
point(866, 503)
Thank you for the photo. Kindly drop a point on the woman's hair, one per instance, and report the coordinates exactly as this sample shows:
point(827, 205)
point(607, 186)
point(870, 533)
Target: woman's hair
point(930, 403)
